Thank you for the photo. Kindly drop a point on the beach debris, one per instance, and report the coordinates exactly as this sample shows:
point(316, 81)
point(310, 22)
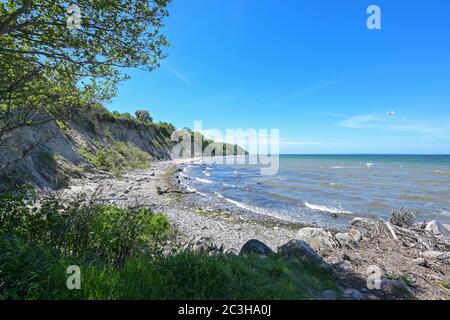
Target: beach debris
point(437, 229)
point(319, 239)
point(403, 218)
point(254, 246)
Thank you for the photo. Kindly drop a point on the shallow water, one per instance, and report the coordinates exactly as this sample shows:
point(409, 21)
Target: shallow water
point(330, 190)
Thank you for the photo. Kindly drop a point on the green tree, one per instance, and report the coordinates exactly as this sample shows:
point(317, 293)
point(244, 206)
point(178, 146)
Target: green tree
point(45, 67)
point(143, 116)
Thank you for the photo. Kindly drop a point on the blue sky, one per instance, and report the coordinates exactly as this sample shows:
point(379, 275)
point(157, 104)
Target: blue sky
point(309, 68)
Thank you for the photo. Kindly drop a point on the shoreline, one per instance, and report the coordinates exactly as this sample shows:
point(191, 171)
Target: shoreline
point(232, 229)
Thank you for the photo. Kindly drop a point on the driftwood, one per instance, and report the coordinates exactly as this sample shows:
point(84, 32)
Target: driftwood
point(401, 228)
point(169, 190)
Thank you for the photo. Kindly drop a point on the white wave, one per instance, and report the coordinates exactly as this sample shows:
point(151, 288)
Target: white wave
point(190, 189)
point(369, 164)
point(228, 185)
point(204, 180)
point(206, 173)
point(318, 207)
point(338, 167)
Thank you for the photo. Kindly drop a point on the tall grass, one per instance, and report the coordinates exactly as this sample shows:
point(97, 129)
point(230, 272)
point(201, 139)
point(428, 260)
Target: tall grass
point(119, 252)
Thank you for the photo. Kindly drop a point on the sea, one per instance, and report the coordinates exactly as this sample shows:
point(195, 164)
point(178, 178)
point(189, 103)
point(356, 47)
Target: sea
point(330, 190)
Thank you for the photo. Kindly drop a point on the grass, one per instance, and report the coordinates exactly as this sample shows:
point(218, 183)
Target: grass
point(37, 272)
point(445, 285)
point(120, 255)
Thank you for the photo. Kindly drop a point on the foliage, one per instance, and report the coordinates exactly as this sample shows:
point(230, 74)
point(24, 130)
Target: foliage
point(113, 34)
point(143, 116)
point(119, 252)
point(117, 158)
point(31, 271)
point(46, 69)
point(82, 228)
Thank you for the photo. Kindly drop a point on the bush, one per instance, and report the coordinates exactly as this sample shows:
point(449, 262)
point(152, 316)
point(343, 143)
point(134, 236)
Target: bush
point(118, 158)
point(82, 228)
point(143, 116)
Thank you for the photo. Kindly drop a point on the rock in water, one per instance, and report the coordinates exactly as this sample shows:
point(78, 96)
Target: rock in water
point(319, 239)
point(301, 250)
point(437, 229)
point(255, 247)
point(204, 245)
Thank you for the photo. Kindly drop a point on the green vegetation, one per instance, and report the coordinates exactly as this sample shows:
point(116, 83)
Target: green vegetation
point(403, 278)
point(117, 158)
point(48, 70)
point(143, 116)
point(445, 284)
point(120, 255)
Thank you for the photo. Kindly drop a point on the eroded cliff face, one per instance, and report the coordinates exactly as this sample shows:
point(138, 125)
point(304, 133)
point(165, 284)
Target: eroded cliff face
point(58, 148)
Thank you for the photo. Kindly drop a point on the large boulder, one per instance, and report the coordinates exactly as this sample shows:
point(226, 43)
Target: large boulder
point(301, 250)
point(204, 245)
point(437, 229)
point(319, 239)
point(396, 289)
point(254, 246)
point(353, 294)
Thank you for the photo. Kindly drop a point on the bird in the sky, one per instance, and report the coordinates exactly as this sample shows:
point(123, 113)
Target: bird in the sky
point(391, 113)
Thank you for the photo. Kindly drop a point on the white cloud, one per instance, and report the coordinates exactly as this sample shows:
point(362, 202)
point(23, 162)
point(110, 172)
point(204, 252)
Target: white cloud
point(390, 124)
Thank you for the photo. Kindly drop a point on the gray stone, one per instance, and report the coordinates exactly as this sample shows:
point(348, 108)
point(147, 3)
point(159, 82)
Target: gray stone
point(396, 289)
point(436, 255)
point(344, 265)
point(232, 252)
point(204, 245)
point(327, 295)
point(301, 250)
point(353, 294)
point(319, 239)
point(345, 240)
point(437, 229)
point(363, 223)
point(254, 246)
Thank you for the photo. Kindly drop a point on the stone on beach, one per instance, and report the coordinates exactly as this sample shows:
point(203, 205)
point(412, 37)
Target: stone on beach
point(254, 246)
point(437, 229)
point(349, 239)
point(319, 239)
point(396, 289)
point(204, 245)
point(301, 250)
